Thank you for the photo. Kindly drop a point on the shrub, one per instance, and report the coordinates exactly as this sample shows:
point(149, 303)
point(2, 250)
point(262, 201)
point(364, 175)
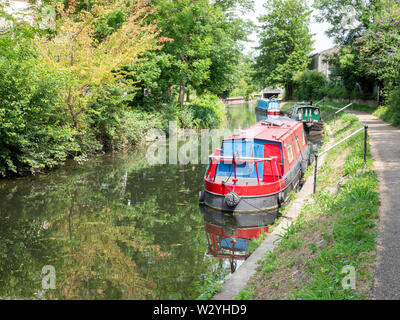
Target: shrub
point(186, 118)
point(207, 112)
point(169, 112)
point(336, 91)
point(309, 85)
point(34, 128)
point(391, 112)
point(114, 125)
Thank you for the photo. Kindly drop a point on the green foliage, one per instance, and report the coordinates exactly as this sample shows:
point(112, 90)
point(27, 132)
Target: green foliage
point(347, 71)
point(309, 85)
point(391, 111)
point(108, 24)
point(380, 57)
point(378, 50)
point(206, 112)
point(353, 235)
point(114, 125)
point(34, 127)
point(349, 20)
point(244, 295)
point(243, 84)
point(285, 42)
point(208, 287)
point(336, 91)
point(204, 49)
point(347, 17)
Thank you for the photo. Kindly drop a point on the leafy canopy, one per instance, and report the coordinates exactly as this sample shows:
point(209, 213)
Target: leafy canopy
point(285, 42)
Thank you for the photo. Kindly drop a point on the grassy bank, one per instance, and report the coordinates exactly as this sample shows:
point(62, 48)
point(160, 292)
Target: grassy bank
point(334, 230)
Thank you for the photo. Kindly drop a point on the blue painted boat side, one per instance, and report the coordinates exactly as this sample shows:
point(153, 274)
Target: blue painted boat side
point(268, 104)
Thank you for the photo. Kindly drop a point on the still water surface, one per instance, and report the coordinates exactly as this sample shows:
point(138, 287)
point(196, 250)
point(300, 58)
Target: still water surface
point(116, 227)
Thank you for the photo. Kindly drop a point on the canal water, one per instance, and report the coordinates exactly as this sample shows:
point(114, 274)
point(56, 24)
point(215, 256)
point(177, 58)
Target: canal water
point(116, 227)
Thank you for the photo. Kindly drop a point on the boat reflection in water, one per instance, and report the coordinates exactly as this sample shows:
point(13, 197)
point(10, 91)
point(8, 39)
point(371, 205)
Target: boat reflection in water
point(229, 235)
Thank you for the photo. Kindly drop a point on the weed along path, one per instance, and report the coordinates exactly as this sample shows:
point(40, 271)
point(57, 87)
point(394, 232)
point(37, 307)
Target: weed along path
point(238, 280)
point(385, 150)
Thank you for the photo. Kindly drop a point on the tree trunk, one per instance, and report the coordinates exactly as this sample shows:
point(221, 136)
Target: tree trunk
point(288, 91)
point(181, 94)
point(187, 95)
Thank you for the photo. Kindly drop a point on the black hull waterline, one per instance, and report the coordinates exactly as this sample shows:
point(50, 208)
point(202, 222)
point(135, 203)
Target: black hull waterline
point(252, 204)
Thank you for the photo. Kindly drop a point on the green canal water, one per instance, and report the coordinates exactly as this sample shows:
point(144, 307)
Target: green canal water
point(114, 227)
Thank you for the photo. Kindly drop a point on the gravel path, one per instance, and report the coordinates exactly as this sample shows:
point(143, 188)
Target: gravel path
point(385, 150)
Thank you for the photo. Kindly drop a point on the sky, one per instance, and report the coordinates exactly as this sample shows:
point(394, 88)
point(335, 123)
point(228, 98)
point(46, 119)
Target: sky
point(322, 42)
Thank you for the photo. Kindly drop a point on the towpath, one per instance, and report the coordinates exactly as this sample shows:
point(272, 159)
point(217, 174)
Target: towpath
point(385, 150)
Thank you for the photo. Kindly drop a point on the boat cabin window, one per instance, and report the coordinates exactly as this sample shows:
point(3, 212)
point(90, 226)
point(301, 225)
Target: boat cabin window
point(290, 152)
point(273, 105)
point(299, 113)
point(303, 137)
point(297, 143)
point(242, 148)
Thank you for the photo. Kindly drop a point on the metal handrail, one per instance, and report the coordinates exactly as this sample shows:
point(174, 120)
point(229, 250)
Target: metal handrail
point(318, 102)
point(242, 158)
point(336, 144)
point(345, 107)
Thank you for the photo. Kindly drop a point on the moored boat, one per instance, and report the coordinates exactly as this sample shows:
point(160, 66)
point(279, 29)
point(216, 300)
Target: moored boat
point(263, 116)
point(256, 168)
point(308, 114)
point(268, 107)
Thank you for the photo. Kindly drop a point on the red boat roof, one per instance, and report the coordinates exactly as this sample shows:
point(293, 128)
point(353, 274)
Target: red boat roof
point(271, 130)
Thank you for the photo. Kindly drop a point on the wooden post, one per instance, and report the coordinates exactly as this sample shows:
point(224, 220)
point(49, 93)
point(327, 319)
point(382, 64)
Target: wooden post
point(315, 173)
point(365, 145)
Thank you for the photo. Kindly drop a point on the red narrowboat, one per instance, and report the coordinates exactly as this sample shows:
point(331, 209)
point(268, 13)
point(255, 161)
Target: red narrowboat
point(256, 168)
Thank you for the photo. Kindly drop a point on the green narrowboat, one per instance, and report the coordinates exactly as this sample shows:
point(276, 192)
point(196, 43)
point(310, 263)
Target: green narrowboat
point(309, 114)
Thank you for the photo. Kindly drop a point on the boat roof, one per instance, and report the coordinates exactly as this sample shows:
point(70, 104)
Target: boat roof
point(270, 129)
point(268, 100)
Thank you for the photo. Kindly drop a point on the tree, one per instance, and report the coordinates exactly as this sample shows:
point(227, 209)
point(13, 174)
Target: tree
point(349, 20)
point(347, 17)
point(205, 47)
point(34, 127)
point(378, 47)
point(285, 42)
point(243, 83)
point(90, 57)
point(347, 70)
point(310, 84)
